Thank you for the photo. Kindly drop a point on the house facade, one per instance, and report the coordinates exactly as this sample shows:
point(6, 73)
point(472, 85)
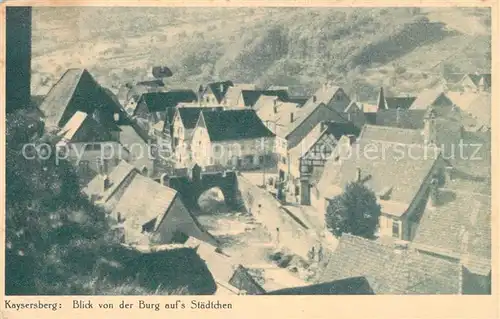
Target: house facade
point(185, 120)
point(232, 139)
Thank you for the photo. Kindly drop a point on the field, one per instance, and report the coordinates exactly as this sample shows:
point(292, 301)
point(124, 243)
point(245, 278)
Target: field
point(404, 49)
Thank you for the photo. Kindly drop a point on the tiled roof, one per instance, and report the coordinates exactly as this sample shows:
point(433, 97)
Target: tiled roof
point(409, 119)
point(160, 101)
point(476, 104)
point(400, 102)
point(142, 201)
point(460, 228)
point(234, 125)
point(476, 78)
point(427, 98)
point(91, 96)
point(390, 270)
point(320, 99)
point(347, 286)
point(132, 135)
point(59, 96)
point(116, 177)
point(250, 97)
point(233, 93)
point(391, 134)
point(190, 115)
point(383, 163)
point(215, 87)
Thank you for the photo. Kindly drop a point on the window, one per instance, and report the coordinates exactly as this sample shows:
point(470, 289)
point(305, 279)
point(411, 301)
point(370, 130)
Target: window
point(283, 159)
point(395, 229)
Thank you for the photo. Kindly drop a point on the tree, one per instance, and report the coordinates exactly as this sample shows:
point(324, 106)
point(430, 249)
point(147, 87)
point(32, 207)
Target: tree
point(355, 211)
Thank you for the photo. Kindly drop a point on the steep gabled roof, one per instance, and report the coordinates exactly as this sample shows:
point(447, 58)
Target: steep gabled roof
point(400, 102)
point(390, 270)
point(190, 115)
point(79, 86)
point(427, 98)
point(160, 101)
point(234, 125)
point(321, 98)
point(59, 96)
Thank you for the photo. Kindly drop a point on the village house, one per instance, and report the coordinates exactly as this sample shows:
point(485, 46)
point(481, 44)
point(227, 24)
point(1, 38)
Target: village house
point(475, 83)
point(230, 277)
point(234, 139)
point(75, 91)
point(292, 124)
point(434, 98)
point(142, 210)
point(313, 160)
point(248, 98)
point(234, 92)
point(214, 93)
point(152, 106)
point(402, 168)
point(87, 142)
point(391, 268)
point(185, 120)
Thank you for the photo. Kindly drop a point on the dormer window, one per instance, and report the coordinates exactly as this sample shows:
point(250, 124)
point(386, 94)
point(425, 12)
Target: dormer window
point(149, 226)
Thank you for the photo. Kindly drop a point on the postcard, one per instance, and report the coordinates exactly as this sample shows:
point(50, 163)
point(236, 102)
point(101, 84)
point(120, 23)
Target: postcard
point(247, 158)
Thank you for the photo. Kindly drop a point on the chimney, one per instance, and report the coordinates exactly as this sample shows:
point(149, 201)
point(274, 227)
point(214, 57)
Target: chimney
point(434, 192)
point(164, 179)
point(221, 87)
point(314, 99)
point(398, 115)
point(381, 100)
point(100, 168)
point(430, 127)
point(116, 117)
point(358, 174)
point(291, 117)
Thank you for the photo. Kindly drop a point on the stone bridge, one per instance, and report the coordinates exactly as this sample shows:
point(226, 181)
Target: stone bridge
point(191, 183)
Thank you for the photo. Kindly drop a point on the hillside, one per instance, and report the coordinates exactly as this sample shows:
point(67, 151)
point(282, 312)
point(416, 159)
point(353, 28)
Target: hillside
point(404, 49)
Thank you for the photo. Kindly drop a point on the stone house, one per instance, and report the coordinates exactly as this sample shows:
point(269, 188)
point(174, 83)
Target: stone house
point(292, 124)
point(184, 123)
point(235, 139)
